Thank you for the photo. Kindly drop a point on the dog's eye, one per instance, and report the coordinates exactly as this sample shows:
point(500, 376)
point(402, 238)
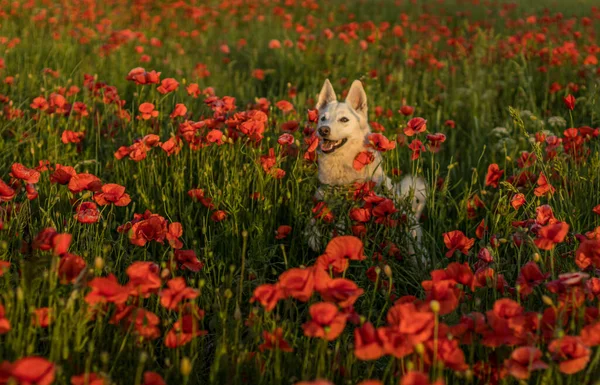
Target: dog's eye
point(323, 118)
point(344, 120)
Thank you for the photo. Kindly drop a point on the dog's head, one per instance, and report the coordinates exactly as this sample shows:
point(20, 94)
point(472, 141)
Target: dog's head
point(341, 122)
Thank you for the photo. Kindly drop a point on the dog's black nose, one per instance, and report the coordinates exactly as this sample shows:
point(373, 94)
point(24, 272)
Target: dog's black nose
point(324, 131)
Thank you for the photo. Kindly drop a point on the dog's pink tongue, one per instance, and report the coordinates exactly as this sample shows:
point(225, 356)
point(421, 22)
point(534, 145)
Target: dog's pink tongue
point(326, 145)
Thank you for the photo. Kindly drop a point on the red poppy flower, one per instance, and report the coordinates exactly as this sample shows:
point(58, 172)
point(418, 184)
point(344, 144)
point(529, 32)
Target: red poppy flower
point(87, 212)
point(154, 228)
point(179, 110)
point(112, 193)
point(446, 351)
point(188, 259)
point(62, 174)
point(70, 267)
point(363, 159)
point(456, 240)
point(345, 247)
point(283, 231)
point(342, 291)
point(445, 292)
point(174, 232)
point(168, 85)
point(297, 283)
point(435, 141)
point(367, 345)
point(406, 110)
point(4, 322)
point(42, 317)
point(569, 102)
point(530, 276)
point(176, 292)
point(7, 193)
point(88, 379)
point(417, 147)
point(359, 214)
point(144, 278)
point(198, 194)
point(415, 324)
point(144, 322)
point(84, 181)
point(415, 126)
point(550, 235)
point(493, 175)
point(267, 295)
point(588, 253)
point(33, 370)
point(544, 215)
point(106, 290)
point(4, 266)
point(147, 111)
point(326, 321)
point(417, 378)
point(172, 145)
point(215, 136)
point(285, 106)
point(380, 142)
point(571, 353)
point(590, 334)
point(72, 137)
point(315, 382)
point(151, 378)
point(523, 361)
point(186, 328)
point(218, 216)
point(140, 76)
point(544, 187)
point(275, 341)
point(39, 103)
point(28, 175)
point(517, 201)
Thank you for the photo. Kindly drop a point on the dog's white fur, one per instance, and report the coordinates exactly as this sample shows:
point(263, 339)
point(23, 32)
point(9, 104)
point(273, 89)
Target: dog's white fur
point(337, 169)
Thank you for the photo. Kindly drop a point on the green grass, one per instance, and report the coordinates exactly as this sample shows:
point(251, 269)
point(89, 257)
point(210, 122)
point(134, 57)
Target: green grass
point(495, 93)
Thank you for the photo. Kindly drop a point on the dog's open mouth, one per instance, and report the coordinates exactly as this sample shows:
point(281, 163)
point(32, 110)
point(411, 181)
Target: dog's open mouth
point(329, 146)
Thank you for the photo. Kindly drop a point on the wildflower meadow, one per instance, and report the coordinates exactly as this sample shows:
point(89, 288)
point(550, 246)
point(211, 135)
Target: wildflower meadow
point(158, 170)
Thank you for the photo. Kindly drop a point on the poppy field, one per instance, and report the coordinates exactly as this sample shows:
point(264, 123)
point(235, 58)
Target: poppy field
point(158, 170)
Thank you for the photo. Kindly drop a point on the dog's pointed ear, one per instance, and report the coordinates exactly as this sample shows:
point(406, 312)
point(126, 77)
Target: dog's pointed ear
point(326, 96)
point(357, 97)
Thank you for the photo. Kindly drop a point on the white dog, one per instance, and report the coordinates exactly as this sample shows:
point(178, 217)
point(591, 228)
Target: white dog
point(343, 129)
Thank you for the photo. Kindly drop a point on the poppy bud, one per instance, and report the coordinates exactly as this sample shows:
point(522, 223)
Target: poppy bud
point(237, 315)
point(388, 271)
point(468, 375)
point(201, 283)
point(420, 348)
point(228, 293)
point(98, 263)
point(165, 273)
point(186, 367)
point(143, 357)
point(4, 245)
point(19, 294)
point(536, 257)
point(547, 300)
point(435, 306)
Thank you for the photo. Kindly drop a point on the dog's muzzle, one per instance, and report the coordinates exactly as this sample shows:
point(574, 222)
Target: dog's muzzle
point(328, 146)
